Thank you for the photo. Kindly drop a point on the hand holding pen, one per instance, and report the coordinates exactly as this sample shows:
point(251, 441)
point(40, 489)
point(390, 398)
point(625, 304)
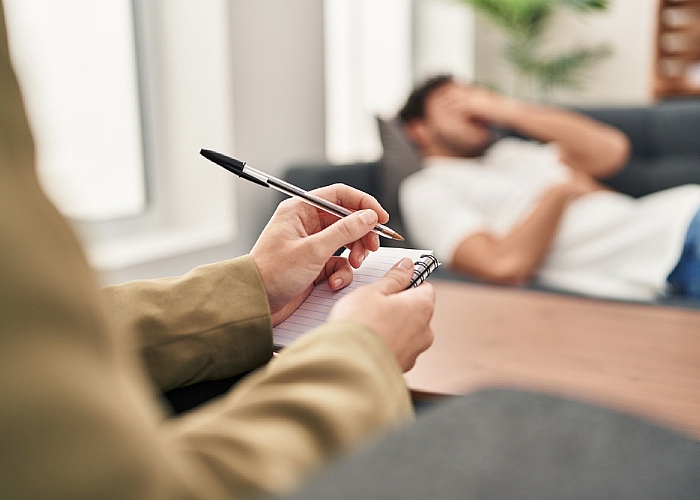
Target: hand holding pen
point(296, 248)
point(251, 174)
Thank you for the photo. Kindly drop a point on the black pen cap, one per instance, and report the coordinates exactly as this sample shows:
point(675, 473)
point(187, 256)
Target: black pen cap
point(231, 164)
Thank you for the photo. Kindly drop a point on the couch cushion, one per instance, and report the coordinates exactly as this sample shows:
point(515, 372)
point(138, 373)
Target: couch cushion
point(644, 175)
point(311, 175)
point(511, 444)
point(400, 159)
point(675, 126)
point(662, 129)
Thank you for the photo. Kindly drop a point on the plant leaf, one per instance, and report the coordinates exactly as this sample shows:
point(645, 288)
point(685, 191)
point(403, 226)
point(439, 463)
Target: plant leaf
point(586, 5)
point(563, 70)
point(523, 18)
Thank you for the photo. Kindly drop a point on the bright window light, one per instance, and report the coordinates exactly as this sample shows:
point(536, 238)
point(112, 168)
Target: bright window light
point(94, 121)
point(374, 52)
point(76, 64)
point(368, 72)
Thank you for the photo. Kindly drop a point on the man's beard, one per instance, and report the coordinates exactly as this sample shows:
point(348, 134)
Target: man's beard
point(477, 150)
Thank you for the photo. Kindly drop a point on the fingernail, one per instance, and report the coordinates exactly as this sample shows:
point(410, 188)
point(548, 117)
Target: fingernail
point(360, 258)
point(406, 264)
point(368, 216)
point(337, 283)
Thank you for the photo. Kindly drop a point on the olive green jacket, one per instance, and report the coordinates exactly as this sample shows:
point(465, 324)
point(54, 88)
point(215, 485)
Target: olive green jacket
point(79, 412)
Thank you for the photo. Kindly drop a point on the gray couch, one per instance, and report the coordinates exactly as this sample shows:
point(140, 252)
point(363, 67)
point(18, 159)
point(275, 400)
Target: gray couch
point(665, 153)
point(504, 444)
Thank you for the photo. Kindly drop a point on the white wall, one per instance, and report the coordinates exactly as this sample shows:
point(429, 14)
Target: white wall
point(278, 94)
point(629, 27)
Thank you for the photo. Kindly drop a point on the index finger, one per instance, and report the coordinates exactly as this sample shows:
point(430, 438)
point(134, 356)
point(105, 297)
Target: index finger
point(352, 199)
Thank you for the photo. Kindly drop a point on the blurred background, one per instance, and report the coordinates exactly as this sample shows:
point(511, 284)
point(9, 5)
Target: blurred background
point(122, 95)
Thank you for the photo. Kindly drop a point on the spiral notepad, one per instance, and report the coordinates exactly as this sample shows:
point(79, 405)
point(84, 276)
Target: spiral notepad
point(314, 310)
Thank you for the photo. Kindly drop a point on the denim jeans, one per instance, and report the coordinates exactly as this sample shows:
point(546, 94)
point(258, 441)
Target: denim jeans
point(685, 278)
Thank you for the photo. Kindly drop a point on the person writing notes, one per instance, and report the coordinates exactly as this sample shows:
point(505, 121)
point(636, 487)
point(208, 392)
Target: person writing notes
point(79, 367)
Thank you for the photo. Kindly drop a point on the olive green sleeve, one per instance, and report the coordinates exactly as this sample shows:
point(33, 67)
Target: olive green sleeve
point(334, 390)
point(211, 323)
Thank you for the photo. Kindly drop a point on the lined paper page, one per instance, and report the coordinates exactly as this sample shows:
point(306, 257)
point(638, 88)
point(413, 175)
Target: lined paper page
point(314, 310)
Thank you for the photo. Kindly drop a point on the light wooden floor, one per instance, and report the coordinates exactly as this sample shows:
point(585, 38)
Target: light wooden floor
point(640, 359)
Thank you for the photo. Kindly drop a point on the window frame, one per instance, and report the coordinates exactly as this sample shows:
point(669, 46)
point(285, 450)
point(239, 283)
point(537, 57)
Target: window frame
point(185, 97)
point(184, 90)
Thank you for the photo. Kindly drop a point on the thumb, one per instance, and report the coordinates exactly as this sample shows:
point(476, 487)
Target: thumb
point(346, 230)
point(397, 278)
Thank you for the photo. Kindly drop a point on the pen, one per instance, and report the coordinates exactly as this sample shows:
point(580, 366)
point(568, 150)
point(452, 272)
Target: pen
point(251, 174)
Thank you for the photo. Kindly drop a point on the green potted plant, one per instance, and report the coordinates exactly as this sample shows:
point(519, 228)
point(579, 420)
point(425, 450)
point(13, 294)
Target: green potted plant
point(525, 22)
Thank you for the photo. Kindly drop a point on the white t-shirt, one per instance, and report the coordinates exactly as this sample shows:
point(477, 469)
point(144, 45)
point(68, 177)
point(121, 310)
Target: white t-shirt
point(608, 244)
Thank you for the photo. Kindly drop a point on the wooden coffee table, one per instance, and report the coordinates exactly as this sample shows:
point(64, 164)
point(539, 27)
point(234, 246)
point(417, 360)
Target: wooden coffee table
point(641, 359)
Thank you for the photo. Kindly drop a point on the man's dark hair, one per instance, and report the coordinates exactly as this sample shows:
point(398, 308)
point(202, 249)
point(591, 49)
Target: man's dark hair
point(414, 109)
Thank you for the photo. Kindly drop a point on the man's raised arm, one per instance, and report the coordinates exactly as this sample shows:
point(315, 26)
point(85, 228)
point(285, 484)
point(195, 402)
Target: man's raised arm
point(584, 143)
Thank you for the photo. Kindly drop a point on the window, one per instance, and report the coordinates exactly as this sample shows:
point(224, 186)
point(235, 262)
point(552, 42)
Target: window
point(77, 64)
point(157, 75)
point(368, 72)
point(375, 51)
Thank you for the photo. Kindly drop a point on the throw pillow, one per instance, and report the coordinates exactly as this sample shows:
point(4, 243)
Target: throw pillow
point(400, 159)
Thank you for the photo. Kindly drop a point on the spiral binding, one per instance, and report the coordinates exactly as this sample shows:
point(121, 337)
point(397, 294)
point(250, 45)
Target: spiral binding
point(423, 268)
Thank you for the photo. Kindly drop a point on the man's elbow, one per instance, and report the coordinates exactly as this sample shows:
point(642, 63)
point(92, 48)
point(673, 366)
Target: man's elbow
point(501, 271)
point(511, 273)
point(618, 153)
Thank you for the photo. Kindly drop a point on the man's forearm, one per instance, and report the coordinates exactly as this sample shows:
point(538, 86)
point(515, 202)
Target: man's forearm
point(515, 258)
point(585, 144)
point(532, 239)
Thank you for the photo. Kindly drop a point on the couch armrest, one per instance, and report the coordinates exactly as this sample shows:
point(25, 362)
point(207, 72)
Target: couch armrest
point(363, 175)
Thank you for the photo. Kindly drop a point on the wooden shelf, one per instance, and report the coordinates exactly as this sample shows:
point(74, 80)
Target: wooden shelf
point(677, 67)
